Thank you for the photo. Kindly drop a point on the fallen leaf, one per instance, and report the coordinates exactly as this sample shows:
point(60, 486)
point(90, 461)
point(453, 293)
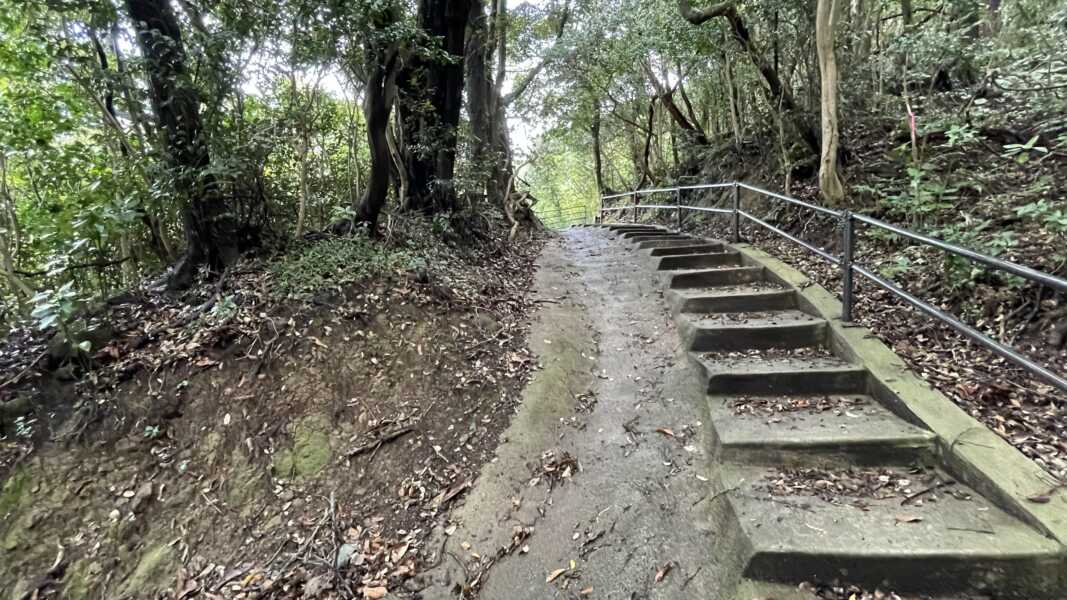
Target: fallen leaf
point(665, 431)
point(316, 586)
point(662, 572)
point(555, 574)
point(908, 519)
point(374, 593)
point(1040, 499)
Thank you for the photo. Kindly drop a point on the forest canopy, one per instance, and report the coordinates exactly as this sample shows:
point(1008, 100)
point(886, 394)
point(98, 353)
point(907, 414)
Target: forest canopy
point(169, 137)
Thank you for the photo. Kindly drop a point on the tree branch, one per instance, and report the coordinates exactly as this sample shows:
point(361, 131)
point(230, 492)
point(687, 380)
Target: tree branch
point(699, 16)
point(98, 264)
point(520, 89)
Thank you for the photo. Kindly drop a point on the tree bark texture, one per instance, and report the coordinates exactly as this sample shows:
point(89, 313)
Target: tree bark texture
point(431, 97)
point(377, 104)
point(830, 186)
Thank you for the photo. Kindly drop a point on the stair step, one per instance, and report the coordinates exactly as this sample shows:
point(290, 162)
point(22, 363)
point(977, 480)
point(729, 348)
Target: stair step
point(949, 539)
point(699, 261)
point(647, 232)
point(702, 278)
point(633, 227)
point(668, 243)
point(776, 376)
point(730, 332)
point(814, 430)
point(687, 249)
point(754, 297)
point(647, 237)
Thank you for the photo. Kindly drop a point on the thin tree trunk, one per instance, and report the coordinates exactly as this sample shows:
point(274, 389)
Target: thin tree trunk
point(377, 104)
point(830, 186)
point(10, 240)
point(732, 100)
point(598, 159)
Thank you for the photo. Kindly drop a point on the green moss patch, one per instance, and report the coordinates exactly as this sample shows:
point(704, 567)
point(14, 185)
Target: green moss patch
point(310, 452)
point(155, 568)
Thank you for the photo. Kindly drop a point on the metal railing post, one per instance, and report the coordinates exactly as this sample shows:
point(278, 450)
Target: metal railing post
point(678, 202)
point(635, 207)
point(848, 241)
point(736, 226)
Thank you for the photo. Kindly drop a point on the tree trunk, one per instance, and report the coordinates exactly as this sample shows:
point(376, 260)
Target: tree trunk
point(731, 99)
point(9, 242)
point(830, 186)
point(377, 104)
point(598, 158)
point(479, 86)
point(210, 231)
point(431, 96)
point(992, 27)
point(777, 94)
point(666, 97)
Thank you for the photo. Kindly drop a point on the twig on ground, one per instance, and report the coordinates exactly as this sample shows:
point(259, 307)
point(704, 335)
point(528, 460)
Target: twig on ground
point(375, 444)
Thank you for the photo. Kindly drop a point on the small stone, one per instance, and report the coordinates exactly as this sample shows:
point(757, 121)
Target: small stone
point(344, 555)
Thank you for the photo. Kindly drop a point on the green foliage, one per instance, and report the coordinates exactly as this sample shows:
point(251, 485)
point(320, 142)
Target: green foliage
point(899, 266)
point(960, 135)
point(926, 195)
point(1023, 152)
point(1051, 216)
point(960, 273)
point(333, 262)
point(58, 309)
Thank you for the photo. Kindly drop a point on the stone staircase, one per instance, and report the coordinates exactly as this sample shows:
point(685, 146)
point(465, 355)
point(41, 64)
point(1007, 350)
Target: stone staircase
point(825, 471)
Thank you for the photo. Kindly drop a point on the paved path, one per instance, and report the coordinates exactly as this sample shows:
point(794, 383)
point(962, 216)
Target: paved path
point(639, 500)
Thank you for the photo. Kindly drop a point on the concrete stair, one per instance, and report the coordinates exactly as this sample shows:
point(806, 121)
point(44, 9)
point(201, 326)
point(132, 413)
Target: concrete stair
point(782, 399)
point(945, 543)
point(687, 249)
point(733, 331)
point(699, 261)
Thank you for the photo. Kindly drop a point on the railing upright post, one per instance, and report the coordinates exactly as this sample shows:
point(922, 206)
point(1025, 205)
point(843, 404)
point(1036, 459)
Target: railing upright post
point(635, 207)
point(736, 226)
point(678, 203)
point(848, 241)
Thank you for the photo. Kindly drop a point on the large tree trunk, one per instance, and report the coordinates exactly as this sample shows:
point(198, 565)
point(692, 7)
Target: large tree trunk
point(777, 94)
point(490, 152)
point(479, 85)
point(486, 102)
point(210, 231)
point(431, 97)
point(830, 186)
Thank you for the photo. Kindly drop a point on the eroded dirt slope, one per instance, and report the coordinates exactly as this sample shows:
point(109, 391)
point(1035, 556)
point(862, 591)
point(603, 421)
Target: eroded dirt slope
point(307, 452)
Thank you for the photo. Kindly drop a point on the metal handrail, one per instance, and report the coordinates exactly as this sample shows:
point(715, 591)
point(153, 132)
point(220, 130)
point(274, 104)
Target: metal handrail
point(848, 221)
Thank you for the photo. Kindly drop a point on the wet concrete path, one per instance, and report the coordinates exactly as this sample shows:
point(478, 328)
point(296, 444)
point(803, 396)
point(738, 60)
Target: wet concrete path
point(614, 393)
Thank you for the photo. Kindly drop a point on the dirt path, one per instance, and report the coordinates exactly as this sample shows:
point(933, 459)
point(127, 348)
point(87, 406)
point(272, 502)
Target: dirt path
point(631, 520)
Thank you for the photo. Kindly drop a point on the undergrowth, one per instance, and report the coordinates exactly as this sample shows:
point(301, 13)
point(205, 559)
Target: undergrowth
point(334, 262)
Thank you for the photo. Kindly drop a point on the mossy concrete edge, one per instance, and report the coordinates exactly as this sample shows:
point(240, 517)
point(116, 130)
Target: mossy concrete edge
point(977, 455)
